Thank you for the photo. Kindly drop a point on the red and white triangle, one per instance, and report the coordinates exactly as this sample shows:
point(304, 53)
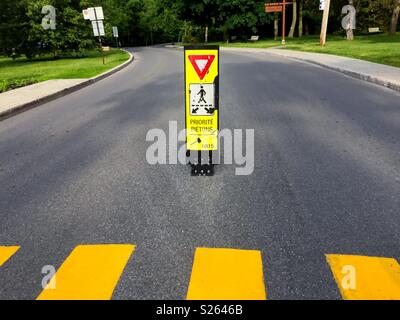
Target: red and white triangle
point(201, 64)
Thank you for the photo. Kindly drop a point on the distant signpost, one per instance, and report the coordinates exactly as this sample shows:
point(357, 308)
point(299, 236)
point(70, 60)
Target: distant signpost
point(279, 7)
point(115, 34)
point(96, 16)
point(273, 7)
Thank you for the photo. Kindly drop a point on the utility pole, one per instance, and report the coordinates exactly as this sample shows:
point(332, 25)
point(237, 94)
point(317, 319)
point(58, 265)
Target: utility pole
point(284, 23)
point(206, 35)
point(324, 25)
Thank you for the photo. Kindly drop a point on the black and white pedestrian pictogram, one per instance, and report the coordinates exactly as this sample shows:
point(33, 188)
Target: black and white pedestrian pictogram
point(201, 99)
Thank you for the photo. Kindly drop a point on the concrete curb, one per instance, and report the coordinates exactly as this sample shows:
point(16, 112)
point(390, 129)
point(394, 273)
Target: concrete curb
point(353, 74)
point(32, 104)
point(350, 73)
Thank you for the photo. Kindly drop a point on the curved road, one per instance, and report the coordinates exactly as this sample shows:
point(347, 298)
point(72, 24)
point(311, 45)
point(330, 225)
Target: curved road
point(326, 178)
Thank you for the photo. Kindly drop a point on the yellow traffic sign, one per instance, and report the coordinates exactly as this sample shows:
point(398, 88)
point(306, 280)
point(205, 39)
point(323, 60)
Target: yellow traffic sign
point(202, 97)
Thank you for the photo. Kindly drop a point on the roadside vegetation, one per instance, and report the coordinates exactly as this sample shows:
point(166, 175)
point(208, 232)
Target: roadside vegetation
point(22, 71)
point(380, 48)
point(147, 22)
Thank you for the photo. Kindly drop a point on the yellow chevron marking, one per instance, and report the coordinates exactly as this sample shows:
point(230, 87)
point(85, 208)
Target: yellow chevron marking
point(6, 253)
point(366, 278)
point(227, 274)
point(91, 272)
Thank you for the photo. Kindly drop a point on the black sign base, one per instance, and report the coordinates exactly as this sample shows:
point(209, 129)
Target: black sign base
point(202, 170)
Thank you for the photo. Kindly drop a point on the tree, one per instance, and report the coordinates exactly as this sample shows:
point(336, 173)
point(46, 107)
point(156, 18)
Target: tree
point(395, 18)
point(300, 18)
point(349, 29)
point(373, 13)
point(12, 22)
point(294, 20)
point(72, 33)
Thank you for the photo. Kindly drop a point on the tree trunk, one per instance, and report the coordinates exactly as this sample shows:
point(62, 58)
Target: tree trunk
point(300, 18)
point(395, 19)
point(294, 20)
point(349, 34)
point(276, 29)
point(349, 31)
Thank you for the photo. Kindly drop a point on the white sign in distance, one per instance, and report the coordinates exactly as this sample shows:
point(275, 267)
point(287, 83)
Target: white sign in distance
point(115, 32)
point(201, 99)
point(99, 13)
point(98, 28)
point(88, 14)
point(322, 5)
point(93, 13)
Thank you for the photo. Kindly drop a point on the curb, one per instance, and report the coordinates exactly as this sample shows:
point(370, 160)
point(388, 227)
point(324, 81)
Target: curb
point(353, 74)
point(32, 104)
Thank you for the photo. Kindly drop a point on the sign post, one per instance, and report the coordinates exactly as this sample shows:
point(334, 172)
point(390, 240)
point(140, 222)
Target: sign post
point(115, 34)
point(96, 16)
point(284, 23)
point(279, 7)
point(202, 105)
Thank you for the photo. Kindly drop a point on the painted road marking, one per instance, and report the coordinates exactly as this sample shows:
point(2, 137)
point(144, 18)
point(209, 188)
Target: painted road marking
point(227, 274)
point(374, 278)
point(91, 272)
point(6, 253)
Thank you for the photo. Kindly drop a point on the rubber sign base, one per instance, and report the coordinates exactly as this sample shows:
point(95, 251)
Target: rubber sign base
point(202, 170)
point(203, 167)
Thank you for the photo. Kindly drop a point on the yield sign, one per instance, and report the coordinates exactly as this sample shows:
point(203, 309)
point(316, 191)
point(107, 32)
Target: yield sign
point(201, 63)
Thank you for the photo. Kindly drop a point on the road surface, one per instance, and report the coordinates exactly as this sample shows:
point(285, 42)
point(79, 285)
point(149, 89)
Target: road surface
point(326, 178)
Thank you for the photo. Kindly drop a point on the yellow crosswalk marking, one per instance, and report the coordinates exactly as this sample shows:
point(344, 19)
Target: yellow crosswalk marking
point(226, 274)
point(366, 278)
point(6, 253)
point(91, 272)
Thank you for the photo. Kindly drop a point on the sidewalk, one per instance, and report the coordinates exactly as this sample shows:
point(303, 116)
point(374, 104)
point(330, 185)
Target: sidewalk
point(18, 100)
point(380, 74)
point(11, 101)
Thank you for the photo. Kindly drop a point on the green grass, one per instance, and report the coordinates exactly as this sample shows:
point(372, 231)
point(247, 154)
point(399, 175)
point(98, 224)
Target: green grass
point(375, 48)
point(22, 71)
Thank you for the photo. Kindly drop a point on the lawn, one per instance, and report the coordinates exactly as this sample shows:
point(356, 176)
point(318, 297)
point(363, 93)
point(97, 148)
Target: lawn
point(375, 48)
point(22, 71)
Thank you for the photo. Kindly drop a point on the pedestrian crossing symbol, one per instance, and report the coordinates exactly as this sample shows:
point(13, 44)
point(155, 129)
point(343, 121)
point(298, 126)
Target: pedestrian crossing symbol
point(201, 99)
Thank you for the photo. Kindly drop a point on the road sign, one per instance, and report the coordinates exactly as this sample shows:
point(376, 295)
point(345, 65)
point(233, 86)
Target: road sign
point(88, 14)
point(115, 32)
point(98, 28)
point(201, 64)
point(202, 97)
point(321, 5)
point(273, 7)
point(99, 13)
point(93, 14)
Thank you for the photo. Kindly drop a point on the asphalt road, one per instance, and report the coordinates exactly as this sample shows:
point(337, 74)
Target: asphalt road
point(326, 179)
